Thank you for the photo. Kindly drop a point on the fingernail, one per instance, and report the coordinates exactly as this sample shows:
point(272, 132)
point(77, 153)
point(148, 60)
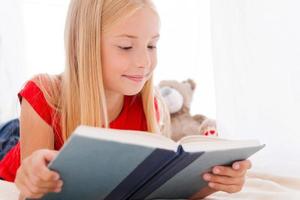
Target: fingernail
point(207, 177)
point(236, 166)
point(60, 183)
point(211, 185)
point(216, 170)
point(56, 177)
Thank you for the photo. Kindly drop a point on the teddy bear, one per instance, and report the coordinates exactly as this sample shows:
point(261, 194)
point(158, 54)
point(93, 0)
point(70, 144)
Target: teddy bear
point(178, 97)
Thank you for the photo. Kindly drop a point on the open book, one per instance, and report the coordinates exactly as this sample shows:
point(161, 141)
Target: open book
point(112, 164)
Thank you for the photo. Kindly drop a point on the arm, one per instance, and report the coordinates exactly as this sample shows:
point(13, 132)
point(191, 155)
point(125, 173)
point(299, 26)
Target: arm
point(35, 133)
point(33, 178)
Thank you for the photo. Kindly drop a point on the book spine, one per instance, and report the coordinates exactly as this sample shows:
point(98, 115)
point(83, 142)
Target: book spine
point(147, 169)
point(182, 160)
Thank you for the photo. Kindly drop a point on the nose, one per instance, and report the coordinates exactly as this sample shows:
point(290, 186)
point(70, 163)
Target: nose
point(143, 59)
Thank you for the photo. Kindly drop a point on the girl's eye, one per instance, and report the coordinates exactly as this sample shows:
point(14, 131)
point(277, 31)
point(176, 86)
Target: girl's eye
point(152, 47)
point(125, 48)
point(128, 48)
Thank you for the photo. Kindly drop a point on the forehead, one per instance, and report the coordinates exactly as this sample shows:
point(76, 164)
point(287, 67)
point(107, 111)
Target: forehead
point(144, 23)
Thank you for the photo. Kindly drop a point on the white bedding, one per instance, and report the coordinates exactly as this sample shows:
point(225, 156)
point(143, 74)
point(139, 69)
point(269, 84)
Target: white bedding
point(263, 186)
point(258, 186)
point(8, 191)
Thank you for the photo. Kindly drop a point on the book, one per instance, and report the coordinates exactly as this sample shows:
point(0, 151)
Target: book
point(111, 164)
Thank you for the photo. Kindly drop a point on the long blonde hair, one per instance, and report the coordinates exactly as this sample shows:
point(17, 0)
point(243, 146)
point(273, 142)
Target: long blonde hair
point(78, 94)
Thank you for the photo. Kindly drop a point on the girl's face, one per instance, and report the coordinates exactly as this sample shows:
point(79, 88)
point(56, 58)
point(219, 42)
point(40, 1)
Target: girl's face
point(129, 52)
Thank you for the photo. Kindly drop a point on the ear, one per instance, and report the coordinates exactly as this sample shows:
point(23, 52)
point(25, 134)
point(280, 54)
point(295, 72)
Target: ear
point(191, 83)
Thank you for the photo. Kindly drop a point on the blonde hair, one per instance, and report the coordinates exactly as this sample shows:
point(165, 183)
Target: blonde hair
point(78, 94)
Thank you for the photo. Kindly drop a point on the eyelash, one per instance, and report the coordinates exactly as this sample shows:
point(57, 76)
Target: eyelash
point(128, 48)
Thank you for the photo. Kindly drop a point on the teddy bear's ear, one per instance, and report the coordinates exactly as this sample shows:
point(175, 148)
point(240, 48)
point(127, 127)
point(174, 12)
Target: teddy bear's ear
point(191, 83)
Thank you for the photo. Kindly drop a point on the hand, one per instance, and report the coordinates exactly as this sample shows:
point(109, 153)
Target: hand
point(226, 179)
point(34, 179)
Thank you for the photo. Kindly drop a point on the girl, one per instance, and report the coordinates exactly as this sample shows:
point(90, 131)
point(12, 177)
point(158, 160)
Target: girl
point(108, 82)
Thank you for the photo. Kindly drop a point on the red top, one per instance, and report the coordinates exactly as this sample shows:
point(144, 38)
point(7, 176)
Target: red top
point(132, 117)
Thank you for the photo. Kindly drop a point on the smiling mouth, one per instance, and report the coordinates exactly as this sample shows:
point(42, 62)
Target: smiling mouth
point(136, 78)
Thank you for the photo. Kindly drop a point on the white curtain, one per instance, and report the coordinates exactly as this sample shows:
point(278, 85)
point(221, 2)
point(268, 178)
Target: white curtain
point(256, 52)
point(31, 42)
point(44, 22)
point(12, 65)
point(184, 49)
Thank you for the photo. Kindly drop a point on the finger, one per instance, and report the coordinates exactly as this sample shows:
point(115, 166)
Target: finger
point(49, 155)
point(47, 175)
point(31, 191)
point(245, 164)
point(224, 179)
point(46, 186)
point(40, 191)
point(43, 186)
point(225, 188)
point(40, 165)
point(228, 171)
point(41, 175)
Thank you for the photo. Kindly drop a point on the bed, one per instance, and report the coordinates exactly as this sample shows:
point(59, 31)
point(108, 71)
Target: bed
point(258, 186)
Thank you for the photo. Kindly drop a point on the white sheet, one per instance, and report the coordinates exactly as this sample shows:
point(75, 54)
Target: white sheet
point(263, 186)
point(258, 186)
point(8, 191)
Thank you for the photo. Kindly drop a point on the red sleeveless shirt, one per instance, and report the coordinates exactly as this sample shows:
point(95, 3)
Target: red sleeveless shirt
point(132, 117)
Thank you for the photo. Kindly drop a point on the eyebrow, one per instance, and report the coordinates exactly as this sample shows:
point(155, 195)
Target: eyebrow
point(135, 37)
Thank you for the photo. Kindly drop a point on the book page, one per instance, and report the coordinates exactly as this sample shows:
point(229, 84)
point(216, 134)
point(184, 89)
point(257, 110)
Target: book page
point(202, 143)
point(199, 138)
point(128, 136)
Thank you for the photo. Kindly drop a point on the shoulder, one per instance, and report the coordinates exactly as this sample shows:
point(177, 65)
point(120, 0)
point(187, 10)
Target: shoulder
point(40, 92)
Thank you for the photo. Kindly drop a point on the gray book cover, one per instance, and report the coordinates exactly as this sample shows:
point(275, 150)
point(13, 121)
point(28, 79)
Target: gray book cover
point(91, 169)
point(107, 164)
point(188, 180)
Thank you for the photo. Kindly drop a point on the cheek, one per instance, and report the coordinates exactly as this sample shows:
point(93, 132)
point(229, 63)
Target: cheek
point(154, 61)
point(114, 64)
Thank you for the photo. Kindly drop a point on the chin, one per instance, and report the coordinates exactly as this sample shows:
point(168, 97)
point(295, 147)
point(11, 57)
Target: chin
point(132, 91)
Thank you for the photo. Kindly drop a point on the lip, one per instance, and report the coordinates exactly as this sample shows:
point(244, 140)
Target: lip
point(135, 78)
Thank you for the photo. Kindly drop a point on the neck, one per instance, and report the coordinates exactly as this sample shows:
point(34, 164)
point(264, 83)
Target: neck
point(114, 104)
